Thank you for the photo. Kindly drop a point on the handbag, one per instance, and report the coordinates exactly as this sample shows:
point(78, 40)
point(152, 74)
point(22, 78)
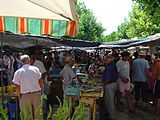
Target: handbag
point(73, 89)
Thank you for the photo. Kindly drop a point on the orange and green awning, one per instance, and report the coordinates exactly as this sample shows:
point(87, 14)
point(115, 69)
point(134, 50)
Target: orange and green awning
point(37, 26)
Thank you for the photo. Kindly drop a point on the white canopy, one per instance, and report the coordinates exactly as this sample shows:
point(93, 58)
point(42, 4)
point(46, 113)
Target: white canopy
point(44, 9)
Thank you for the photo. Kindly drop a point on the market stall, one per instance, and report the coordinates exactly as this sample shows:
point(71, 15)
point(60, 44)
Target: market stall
point(91, 91)
point(56, 18)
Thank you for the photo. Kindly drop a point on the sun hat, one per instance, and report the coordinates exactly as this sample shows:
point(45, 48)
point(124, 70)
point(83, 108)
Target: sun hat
point(142, 53)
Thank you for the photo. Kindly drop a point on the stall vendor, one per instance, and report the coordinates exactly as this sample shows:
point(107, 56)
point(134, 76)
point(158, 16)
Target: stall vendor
point(110, 77)
point(68, 73)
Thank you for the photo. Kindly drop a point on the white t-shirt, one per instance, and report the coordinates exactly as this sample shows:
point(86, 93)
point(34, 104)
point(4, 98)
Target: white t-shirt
point(123, 68)
point(10, 66)
point(27, 78)
point(39, 64)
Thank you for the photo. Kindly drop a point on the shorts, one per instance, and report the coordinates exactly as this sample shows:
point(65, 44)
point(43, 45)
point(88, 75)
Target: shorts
point(122, 87)
point(156, 89)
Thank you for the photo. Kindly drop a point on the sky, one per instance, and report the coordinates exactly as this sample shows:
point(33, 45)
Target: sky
point(110, 13)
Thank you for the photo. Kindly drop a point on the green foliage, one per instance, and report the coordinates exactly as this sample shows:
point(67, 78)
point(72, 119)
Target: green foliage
point(143, 21)
point(62, 113)
point(89, 29)
point(49, 113)
point(149, 6)
point(28, 115)
point(3, 113)
point(21, 115)
point(4, 116)
point(39, 111)
point(111, 37)
point(79, 112)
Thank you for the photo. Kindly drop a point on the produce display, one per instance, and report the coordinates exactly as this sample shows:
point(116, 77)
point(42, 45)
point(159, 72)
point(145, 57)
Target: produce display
point(8, 89)
point(91, 85)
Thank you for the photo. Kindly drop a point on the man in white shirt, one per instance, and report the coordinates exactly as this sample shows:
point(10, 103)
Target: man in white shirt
point(39, 64)
point(123, 68)
point(28, 86)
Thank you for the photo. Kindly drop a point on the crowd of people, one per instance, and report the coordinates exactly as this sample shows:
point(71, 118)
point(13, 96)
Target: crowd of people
point(136, 74)
point(121, 76)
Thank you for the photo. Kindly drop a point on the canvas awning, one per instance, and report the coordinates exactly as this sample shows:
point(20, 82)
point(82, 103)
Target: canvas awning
point(152, 40)
point(76, 42)
point(24, 41)
point(39, 17)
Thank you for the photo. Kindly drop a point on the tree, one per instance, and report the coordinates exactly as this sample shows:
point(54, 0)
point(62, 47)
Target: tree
point(143, 20)
point(89, 29)
point(150, 6)
point(142, 24)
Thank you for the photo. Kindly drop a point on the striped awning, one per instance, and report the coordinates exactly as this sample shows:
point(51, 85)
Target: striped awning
point(39, 17)
point(38, 26)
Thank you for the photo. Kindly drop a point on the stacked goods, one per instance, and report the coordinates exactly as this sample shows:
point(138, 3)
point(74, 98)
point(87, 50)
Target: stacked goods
point(4, 89)
point(10, 89)
point(91, 85)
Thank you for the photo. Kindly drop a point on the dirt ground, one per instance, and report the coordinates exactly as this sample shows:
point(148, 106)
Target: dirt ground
point(138, 115)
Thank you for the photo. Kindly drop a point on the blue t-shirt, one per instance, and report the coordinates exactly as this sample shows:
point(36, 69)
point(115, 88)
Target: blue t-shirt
point(110, 72)
point(140, 65)
point(55, 71)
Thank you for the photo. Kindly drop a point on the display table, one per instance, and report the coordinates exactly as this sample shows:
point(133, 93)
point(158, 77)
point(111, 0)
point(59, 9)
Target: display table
point(91, 99)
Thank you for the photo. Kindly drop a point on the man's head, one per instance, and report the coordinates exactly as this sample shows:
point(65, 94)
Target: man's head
point(32, 59)
point(25, 59)
point(125, 55)
point(10, 54)
point(157, 54)
point(108, 59)
point(142, 54)
point(69, 60)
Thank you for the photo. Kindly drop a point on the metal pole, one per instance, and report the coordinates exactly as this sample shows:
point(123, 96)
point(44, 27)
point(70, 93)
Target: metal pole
point(73, 52)
point(1, 38)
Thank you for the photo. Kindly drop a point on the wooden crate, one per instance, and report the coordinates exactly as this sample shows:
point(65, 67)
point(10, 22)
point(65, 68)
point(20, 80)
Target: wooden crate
point(87, 100)
point(95, 94)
